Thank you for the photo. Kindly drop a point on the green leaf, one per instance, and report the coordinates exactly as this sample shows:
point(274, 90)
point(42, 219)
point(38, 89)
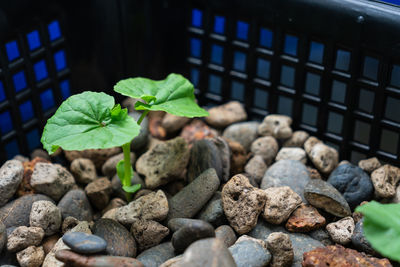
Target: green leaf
point(88, 120)
point(132, 188)
point(174, 95)
point(382, 227)
point(121, 171)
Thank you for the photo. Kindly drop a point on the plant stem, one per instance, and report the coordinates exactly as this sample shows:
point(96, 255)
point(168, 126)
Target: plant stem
point(142, 117)
point(126, 148)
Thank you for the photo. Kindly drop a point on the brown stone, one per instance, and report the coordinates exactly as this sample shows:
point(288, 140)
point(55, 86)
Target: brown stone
point(304, 219)
point(281, 248)
point(99, 192)
point(277, 126)
point(98, 156)
point(226, 114)
point(338, 256)
point(242, 203)
point(148, 233)
point(155, 124)
point(114, 203)
point(238, 157)
point(49, 242)
point(197, 130)
point(25, 187)
point(75, 259)
point(369, 165)
point(314, 174)
point(172, 123)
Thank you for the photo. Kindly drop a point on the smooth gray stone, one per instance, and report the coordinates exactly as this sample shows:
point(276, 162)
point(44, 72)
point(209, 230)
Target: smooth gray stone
point(76, 204)
point(17, 212)
point(290, 173)
point(189, 201)
point(359, 241)
point(213, 212)
point(84, 243)
point(119, 240)
point(3, 236)
point(155, 256)
point(250, 253)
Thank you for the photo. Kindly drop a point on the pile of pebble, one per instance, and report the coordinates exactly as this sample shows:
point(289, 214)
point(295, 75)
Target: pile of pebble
point(218, 191)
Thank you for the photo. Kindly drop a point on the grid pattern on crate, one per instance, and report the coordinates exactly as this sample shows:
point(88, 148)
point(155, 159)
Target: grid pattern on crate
point(347, 97)
point(34, 79)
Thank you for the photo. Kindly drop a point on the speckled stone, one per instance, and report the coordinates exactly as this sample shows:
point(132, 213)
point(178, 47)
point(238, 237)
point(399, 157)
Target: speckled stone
point(10, 177)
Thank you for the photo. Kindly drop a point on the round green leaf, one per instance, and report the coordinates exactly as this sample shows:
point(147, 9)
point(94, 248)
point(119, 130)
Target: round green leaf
point(382, 227)
point(174, 95)
point(89, 120)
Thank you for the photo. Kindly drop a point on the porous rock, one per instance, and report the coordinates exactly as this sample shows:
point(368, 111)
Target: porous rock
point(385, 180)
point(224, 115)
point(342, 230)
point(280, 203)
point(52, 180)
point(153, 206)
point(242, 203)
point(46, 215)
point(280, 246)
point(266, 147)
point(164, 162)
point(341, 256)
point(369, 165)
point(23, 237)
point(83, 170)
point(99, 192)
point(31, 257)
point(324, 158)
point(10, 177)
point(304, 219)
point(148, 233)
point(277, 126)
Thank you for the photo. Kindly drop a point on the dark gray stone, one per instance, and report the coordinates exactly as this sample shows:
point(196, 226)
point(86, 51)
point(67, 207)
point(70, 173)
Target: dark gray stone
point(250, 253)
point(84, 243)
point(354, 184)
point(207, 252)
point(194, 196)
point(187, 231)
point(76, 204)
point(3, 235)
point(119, 241)
point(8, 258)
point(213, 211)
point(204, 155)
point(155, 256)
point(117, 186)
point(290, 173)
point(243, 132)
point(359, 241)
point(225, 153)
point(17, 212)
point(323, 195)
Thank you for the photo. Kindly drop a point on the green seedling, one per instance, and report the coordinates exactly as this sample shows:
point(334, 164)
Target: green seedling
point(382, 227)
point(92, 120)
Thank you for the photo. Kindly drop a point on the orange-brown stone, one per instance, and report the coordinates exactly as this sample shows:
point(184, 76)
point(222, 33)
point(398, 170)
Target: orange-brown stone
point(305, 219)
point(238, 157)
point(196, 130)
point(25, 187)
point(338, 256)
point(155, 125)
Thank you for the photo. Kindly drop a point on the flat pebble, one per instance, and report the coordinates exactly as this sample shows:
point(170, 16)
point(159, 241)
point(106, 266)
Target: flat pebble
point(84, 243)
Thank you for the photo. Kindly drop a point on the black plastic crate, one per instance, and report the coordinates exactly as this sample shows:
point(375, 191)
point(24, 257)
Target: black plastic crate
point(334, 66)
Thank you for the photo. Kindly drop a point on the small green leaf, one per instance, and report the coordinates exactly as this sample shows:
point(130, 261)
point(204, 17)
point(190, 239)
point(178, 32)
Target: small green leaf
point(120, 171)
point(174, 95)
point(88, 120)
point(132, 188)
point(382, 227)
